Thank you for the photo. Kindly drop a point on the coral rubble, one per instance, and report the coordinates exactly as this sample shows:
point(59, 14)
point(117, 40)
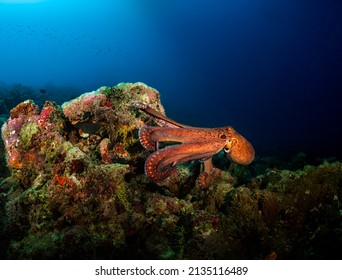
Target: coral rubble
point(77, 190)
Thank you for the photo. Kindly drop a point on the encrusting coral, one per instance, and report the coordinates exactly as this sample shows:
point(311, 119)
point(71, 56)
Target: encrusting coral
point(77, 190)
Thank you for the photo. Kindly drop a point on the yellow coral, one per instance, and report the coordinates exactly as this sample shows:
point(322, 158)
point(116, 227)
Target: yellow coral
point(125, 135)
point(121, 195)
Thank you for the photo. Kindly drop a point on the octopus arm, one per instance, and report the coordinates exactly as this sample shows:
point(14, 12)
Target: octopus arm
point(149, 136)
point(160, 164)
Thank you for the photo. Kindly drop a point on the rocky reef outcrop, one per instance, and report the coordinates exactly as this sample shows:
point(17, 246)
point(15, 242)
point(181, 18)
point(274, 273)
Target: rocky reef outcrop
point(77, 190)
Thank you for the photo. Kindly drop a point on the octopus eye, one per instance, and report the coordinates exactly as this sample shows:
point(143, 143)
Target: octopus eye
point(223, 137)
point(226, 150)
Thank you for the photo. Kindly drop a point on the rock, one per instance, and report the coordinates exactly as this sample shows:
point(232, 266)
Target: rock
point(77, 190)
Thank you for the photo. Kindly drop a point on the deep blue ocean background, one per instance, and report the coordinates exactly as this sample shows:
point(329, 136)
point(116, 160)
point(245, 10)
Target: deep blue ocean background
point(271, 69)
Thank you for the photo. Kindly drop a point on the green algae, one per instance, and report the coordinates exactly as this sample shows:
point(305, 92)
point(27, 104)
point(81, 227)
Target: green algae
point(27, 133)
point(55, 149)
point(74, 153)
point(40, 214)
point(121, 195)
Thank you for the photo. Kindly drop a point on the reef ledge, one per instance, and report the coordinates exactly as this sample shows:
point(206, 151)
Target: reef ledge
point(77, 190)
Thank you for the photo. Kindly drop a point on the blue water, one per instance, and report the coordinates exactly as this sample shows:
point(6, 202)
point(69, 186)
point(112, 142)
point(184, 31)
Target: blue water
point(271, 69)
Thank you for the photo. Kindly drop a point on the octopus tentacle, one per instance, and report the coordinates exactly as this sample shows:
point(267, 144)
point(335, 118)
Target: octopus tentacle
point(204, 178)
point(195, 144)
point(159, 165)
point(166, 122)
point(153, 170)
point(145, 138)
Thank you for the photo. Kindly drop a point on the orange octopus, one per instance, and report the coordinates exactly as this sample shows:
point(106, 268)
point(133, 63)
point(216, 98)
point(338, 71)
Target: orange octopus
point(194, 144)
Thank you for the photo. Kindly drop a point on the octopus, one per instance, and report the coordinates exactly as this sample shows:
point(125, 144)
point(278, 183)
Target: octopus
point(190, 143)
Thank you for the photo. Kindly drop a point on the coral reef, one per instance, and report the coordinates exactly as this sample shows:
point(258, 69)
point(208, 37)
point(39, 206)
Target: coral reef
point(77, 190)
point(4, 172)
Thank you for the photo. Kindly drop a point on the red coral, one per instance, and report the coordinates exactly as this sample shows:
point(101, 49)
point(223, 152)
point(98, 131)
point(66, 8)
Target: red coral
point(76, 110)
point(44, 116)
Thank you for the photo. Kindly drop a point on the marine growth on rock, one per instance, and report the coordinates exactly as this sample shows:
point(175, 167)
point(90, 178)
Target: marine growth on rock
point(77, 190)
